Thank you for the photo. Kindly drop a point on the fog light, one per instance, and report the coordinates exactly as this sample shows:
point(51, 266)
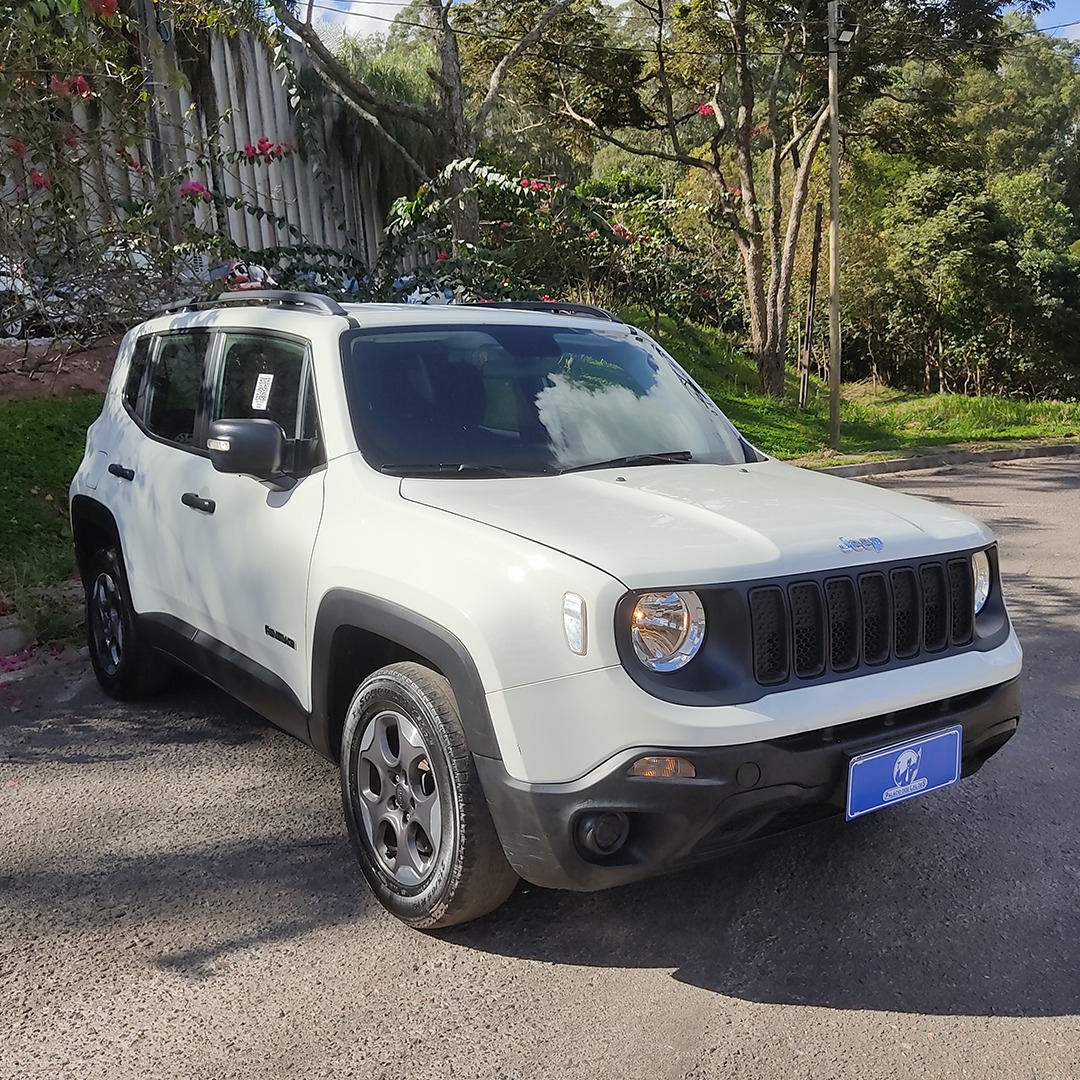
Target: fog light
point(602, 833)
point(663, 768)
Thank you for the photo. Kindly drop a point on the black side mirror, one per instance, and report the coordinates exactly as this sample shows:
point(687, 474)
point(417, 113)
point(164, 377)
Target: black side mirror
point(251, 447)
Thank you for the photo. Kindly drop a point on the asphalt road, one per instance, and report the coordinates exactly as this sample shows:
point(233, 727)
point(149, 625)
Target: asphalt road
point(178, 899)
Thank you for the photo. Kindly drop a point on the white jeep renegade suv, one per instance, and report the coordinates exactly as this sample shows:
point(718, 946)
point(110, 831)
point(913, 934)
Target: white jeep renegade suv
point(515, 570)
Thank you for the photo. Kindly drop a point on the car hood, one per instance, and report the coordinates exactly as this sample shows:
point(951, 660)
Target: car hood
point(693, 524)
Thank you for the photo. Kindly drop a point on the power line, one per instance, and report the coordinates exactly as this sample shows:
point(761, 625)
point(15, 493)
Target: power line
point(914, 37)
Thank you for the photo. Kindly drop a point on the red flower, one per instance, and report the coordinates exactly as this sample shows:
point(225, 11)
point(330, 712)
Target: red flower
point(60, 87)
point(705, 109)
point(80, 86)
point(18, 148)
point(264, 145)
point(39, 179)
point(192, 189)
point(105, 8)
point(592, 234)
point(442, 256)
point(250, 151)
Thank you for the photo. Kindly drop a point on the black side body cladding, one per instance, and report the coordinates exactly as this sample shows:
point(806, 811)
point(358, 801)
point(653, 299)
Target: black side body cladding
point(238, 675)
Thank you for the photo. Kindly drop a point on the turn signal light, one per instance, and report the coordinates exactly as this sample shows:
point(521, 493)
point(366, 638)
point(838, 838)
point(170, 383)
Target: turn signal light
point(663, 768)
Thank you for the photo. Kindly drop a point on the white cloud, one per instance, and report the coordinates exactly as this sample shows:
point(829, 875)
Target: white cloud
point(361, 17)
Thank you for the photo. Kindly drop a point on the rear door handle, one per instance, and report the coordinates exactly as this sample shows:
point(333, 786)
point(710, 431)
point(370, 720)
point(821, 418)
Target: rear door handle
point(189, 498)
point(122, 472)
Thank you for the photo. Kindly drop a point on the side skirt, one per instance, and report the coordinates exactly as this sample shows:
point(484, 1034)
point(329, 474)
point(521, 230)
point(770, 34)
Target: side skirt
point(238, 675)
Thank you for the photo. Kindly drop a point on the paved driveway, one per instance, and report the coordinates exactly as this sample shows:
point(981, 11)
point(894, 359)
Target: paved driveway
point(178, 899)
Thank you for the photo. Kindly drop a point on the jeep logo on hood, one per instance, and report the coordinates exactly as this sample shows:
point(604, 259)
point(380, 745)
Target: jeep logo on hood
point(864, 543)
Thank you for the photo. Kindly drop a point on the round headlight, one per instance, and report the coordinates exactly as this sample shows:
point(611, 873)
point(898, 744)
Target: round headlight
point(980, 570)
point(667, 629)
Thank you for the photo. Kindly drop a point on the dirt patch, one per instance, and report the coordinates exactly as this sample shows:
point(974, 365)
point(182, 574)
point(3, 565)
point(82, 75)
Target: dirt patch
point(55, 368)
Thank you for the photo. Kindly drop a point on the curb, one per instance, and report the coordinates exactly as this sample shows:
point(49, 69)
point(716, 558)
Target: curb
point(14, 636)
point(952, 457)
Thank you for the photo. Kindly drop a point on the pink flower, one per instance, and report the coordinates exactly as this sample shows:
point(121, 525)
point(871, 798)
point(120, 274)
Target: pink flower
point(38, 179)
point(592, 234)
point(72, 142)
point(705, 109)
point(18, 148)
point(442, 256)
point(264, 145)
point(525, 183)
point(60, 87)
point(250, 151)
point(192, 189)
point(80, 86)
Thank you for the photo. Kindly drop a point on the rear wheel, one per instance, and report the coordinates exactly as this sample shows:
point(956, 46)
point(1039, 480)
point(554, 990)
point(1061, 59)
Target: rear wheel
point(417, 816)
point(125, 665)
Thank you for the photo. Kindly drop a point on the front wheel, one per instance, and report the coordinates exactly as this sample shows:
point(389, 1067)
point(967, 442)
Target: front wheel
point(416, 813)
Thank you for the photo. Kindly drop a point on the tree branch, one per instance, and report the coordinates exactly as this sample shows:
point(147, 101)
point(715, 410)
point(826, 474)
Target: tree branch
point(346, 84)
point(504, 66)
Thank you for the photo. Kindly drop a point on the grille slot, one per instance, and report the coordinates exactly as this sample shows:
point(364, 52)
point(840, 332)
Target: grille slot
point(935, 607)
point(843, 623)
point(769, 624)
point(874, 594)
point(809, 629)
point(907, 614)
point(962, 601)
point(807, 622)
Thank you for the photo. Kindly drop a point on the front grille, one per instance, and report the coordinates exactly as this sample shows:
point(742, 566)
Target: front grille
point(808, 629)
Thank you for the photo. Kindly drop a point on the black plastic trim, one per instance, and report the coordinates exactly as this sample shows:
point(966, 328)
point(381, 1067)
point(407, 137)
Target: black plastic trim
point(238, 675)
point(412, 631)
point(740, 794)
point(722, 673)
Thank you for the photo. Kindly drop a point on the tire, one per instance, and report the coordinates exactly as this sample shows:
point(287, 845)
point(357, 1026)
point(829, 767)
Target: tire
point(125, 665)
point(417, 816)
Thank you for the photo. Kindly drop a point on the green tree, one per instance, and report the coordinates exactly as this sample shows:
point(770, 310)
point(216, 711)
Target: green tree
point(737, 90)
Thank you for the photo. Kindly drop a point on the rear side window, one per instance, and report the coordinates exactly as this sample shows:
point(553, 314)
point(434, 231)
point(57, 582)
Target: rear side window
point(136, 372)
point(172, 387)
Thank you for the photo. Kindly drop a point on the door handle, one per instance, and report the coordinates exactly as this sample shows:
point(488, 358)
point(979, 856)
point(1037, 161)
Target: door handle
point(122, 472)
point(189, 498)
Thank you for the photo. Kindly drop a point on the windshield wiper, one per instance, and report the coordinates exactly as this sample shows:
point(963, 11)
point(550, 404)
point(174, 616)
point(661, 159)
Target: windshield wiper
point(459, 469)
point(663, 457)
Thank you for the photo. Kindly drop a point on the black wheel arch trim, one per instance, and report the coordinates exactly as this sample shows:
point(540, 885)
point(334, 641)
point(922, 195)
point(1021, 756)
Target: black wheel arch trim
point(346, 608)
point(87, 512)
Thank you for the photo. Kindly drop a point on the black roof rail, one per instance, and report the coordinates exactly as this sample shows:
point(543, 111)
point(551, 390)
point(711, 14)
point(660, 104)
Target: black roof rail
point(556, 307)
point(277, 297)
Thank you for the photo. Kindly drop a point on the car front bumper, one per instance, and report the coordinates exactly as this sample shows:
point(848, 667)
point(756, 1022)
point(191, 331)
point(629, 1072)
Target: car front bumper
point(740, 793)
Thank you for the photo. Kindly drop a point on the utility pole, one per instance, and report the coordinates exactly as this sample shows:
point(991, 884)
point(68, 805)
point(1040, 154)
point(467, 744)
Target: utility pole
point(834, 230)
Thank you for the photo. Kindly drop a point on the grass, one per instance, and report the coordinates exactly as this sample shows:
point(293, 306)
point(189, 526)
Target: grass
point(873, 420)
point(41, 444)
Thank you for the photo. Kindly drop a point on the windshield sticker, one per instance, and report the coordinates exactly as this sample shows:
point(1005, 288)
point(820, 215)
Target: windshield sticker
point(262, 391)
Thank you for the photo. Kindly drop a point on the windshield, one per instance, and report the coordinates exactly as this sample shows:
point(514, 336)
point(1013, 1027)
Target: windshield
point(526, 399)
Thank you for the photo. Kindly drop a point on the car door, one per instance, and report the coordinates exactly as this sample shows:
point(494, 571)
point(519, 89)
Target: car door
point(160, 452)
point(247, 546)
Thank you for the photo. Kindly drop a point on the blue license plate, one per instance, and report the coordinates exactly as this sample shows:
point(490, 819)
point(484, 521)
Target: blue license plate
point(883, 777)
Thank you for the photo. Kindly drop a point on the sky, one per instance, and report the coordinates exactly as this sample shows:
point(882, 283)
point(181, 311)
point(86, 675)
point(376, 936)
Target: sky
point(371, 16)
point(1065, 11)
point(374, 16)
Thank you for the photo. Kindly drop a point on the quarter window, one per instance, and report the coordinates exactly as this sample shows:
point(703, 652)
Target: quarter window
point(173, 387)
